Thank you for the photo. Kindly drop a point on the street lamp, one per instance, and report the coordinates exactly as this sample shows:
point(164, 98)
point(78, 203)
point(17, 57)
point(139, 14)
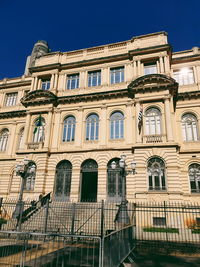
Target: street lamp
point(122, 217)
point(24, 169)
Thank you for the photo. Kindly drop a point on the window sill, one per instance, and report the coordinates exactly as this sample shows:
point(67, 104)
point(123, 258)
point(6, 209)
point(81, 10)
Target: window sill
point(117, 140)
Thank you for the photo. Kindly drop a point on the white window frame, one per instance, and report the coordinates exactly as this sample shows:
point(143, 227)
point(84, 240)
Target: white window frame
point(94, 78)
point(4, 140)
point(189, 127)
point(11, 99)
point(153, 121)
point(117, 75)
point(92, 127)
point(184, 76)
point(39, 136)
point(45, 84)
point(150, 68)
point(117, 125)
point(69, 127)
point(72, 81)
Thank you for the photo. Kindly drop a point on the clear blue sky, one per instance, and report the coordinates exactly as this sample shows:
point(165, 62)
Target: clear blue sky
point(68, 25)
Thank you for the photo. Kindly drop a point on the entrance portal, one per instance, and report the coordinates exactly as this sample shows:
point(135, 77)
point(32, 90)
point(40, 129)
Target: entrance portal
point(89, 181)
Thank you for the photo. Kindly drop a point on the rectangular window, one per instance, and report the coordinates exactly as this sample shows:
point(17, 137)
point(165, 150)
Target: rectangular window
point(45, 84)
point(10, 99)
point(184, 76)
point(94, 78)
point(72, 81)
point(159, 221)
point(150, 68)
point(117, 75)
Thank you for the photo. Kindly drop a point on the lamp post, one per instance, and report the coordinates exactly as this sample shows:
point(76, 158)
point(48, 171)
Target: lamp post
point(122, 217)
point(23, 169)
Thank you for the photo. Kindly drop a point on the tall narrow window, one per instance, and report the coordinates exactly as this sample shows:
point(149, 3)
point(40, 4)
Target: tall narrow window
point(150, 68)
point(153, 121)
point(184, 76)
point(94, 78)
point(72, 81)
point(4, 139)
point(92, 127)
point(117, 125)
point(69, 129)
point(20, 138)
point(30, 178)
point(10, 99)
point(189, 127)
point(63, 180)
point(38, 130)
point(117, 75)
point(156, 174)
point(114, 181)
point(45, 84)
point(194, 175)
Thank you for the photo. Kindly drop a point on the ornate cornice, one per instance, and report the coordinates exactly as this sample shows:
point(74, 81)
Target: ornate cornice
point(154, 82)
point(13, 114)
point(14, 84)
point(188, 95)
point(39, 97)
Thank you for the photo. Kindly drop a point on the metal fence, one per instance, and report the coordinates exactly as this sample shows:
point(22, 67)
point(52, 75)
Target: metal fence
point(49, 250)
point(165, 222)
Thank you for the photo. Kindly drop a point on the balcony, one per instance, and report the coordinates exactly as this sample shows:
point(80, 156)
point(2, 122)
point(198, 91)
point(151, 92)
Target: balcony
point(156, 138)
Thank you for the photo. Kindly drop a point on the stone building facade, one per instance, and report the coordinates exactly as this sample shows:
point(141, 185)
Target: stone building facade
point(72, 113)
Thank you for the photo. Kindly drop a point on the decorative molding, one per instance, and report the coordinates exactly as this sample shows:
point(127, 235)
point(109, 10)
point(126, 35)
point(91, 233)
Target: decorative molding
point(154, 82)
point(39, 97)
point(13, 114)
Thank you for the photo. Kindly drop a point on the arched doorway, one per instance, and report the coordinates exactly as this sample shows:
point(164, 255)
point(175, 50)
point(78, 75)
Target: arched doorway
point(89, 171)
point(114, 182)
point(63, 181)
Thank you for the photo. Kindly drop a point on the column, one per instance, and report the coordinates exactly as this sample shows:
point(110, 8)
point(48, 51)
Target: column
point(158, 66)
point(161, 65)
point(103, 126)
point(79, 126)
point(168, 122)
point(134, 69)
point(167, 69)
point(138, 136)
point(35, 83)
point(141, 69)
point(55, 81)
point(26, 130)
point(82, 79)
point(138, 68)
point(12, 139)
point(128, 72)
point(129, 123)
point(56, 130)
point(52, 81)
point(104, 76)
point(48, 130)
point(32, 84)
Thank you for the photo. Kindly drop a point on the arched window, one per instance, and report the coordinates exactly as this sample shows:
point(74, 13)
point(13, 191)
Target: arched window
point(117, 125)
point(38, 131)
point(20, 138)
point(4, 139)
point(69, 129)
point(153, 121)
point(92, 127)
point(30, 177)
point(114, 181)
point(156, 174)
point(194, 175)
point(63, 180)
point(189, 127)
